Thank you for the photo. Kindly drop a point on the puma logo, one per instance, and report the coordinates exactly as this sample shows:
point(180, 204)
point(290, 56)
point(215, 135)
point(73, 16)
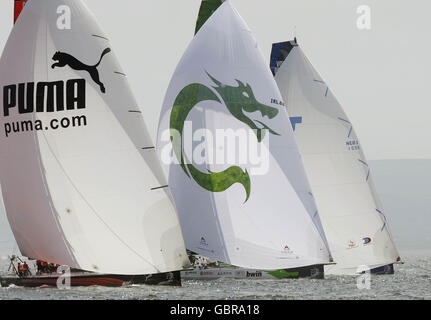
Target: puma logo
point(65, 59)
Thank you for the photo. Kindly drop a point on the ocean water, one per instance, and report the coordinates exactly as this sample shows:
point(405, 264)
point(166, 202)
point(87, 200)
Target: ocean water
point(411, 281)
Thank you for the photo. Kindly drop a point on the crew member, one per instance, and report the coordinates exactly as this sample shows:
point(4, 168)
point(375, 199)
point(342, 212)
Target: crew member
point(25, 269)
point(52, 267)
point(44, 267)
point(19, 269)
point(39, 266)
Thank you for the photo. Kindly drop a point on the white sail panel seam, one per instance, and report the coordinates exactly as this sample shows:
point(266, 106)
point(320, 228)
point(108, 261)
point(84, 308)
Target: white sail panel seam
point(94, 210)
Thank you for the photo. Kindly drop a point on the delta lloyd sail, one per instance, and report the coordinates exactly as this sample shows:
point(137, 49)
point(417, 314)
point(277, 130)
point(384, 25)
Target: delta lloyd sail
point(81, 182)
point(352, 215)
point(239, 211)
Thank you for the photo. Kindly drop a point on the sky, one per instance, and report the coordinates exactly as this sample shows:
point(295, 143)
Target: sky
point(380, 75)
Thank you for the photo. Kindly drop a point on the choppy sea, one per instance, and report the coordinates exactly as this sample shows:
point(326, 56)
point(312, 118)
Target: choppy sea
point(412, 280)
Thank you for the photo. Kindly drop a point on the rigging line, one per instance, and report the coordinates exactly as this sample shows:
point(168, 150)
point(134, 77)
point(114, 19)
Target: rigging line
point(92, 209)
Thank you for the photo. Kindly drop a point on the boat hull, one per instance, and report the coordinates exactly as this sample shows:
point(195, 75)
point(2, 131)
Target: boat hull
point(92, 279)
point(353, 271)
point(387, 269)
point(314, 272)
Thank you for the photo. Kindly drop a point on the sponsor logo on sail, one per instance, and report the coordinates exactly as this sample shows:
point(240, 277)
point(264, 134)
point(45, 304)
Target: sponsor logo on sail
point(63, 59)
point(352, 244)
point(203, 242)
point(286, 249)
point(43, 97)
point(50, 97)
point(366, 240)
point(239, 101)
point(294, 121)
point(353, 145)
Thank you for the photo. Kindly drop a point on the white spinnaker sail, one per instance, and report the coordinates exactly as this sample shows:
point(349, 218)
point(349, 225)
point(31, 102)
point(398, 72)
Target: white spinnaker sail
point(222, 73)
point(351, 213)
point(81, 181)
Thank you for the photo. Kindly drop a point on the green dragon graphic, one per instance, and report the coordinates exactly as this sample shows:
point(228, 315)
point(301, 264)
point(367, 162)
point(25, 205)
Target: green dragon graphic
point(238, 100)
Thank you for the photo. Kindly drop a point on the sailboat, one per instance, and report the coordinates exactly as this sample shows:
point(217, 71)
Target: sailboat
point(81, 181)
point(352, 215)
point(261, 219)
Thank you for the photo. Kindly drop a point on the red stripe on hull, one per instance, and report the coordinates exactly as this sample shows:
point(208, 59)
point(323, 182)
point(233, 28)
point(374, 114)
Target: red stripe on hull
point(74, 282)
point(94, 279)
